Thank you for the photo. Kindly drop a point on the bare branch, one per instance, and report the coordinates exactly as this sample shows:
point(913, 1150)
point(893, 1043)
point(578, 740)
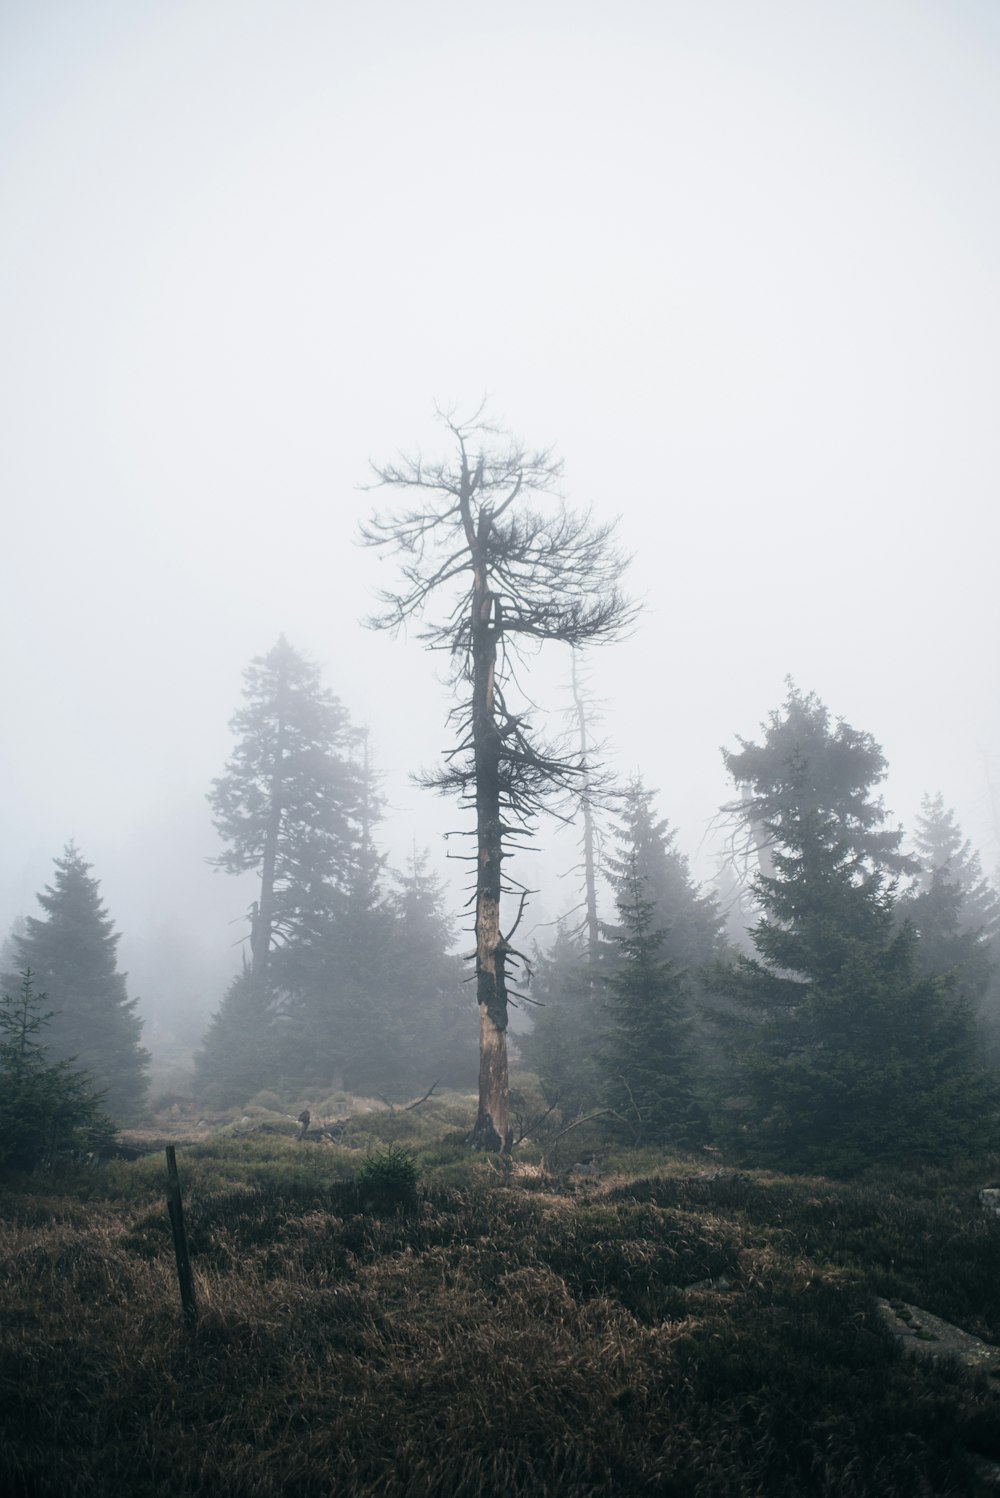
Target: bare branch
point(495, 565)
point(410, 1106)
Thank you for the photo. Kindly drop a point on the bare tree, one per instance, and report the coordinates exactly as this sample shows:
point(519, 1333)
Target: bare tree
point(486, 531)
point(589, 832)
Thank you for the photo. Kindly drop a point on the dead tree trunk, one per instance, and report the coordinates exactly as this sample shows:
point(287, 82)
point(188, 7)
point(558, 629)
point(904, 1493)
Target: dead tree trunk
point(492, 1130)
point(262, 925)
point(762, 843)
point(589, 863)
point(536, 576)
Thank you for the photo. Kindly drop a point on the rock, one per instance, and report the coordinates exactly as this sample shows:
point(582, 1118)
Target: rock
point(989, 1199)
point(931, 1337)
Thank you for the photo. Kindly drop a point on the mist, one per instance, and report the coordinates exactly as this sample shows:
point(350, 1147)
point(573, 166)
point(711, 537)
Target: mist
point(737, 264)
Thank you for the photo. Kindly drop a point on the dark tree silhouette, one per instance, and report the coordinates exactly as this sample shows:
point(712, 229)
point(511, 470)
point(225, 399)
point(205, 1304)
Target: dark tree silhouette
point(844, 1051)
point(71, 953)
point(47, 1108)
point(485, 531)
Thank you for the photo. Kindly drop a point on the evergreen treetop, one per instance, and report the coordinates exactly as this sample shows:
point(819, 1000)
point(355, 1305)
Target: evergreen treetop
point(809, 783)
point(844, 1052)
point(645, 850)
point(288, 804)
point(47, 1109)
point(72, 954)
point(945, 857)
point(648, 1058)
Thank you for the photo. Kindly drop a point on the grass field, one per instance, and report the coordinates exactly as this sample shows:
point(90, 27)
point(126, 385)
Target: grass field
point(668, 1328)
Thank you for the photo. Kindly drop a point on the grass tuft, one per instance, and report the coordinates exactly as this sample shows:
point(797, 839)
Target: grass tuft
point(682, 1330)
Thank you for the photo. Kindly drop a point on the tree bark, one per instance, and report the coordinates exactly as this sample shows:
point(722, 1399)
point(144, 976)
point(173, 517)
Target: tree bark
point(492, 1129)
point(589, 870)
point(263, 918)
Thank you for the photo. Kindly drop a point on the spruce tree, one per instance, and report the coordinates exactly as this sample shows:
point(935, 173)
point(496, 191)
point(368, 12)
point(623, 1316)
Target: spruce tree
point(430, 996)
point(288, 803)
point(71, 953)
point(240, 1052)
point(289, 809)
point(956, 913)
point(649, 1063)
point(844, 1052)
point(48, 1109)
point(645, 849)
point(336, 1016)
point(563, 1046)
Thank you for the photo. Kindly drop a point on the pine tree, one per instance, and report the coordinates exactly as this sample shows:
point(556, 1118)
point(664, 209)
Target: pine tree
point(287, 805)
point(512, 570)
point(336, 1014)
point(563, 1046)
point(650, 1068)
point(431, 999)
point(48, 1109)
point(71, 953)
point(241, 1050)
point(646, 850)
point(844, 1052)
point(956, 913)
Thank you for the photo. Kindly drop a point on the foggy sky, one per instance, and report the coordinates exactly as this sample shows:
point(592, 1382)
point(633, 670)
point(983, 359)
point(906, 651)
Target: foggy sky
point(737, 262)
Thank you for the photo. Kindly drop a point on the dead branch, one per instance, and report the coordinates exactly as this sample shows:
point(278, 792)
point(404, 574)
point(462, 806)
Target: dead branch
point(410, 1106)
point(535, 1123)
point(635, 1108)
point(603, 1113)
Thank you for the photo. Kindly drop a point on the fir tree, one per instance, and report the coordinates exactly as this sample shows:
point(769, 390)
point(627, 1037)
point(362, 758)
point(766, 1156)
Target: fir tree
point(563, 1046)
point(646, 850)
point(956, 913)
point(648, 1058)
point(287, 805)
point(289, 808)
point(48, 1108)
point(241, 1051)
point(71, 953)
point(844, 1052)
point(337, 1020)
point(430, 996)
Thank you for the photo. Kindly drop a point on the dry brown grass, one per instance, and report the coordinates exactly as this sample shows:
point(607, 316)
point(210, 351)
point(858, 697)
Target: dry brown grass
point(671, 1336)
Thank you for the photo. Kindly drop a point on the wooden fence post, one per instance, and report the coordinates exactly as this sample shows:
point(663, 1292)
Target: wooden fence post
point(176, 1211)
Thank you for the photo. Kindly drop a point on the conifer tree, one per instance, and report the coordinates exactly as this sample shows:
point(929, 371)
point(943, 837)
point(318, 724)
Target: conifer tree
point(287, 805)
point(844, 1052)
point(480, 536)
point(570, 981)
point(241, 1052)
point(689, 917)
point(71, 954)
point(650, 1068)
point(564, 1044)
point(431, 997)
point(336, 1015)
point(48, 1109)
point(956, 913)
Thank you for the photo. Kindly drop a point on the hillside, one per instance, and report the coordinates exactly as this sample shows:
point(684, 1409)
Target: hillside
point(644, 1326)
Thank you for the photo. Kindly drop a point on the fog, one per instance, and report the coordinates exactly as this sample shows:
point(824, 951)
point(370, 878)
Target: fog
point(737, 263)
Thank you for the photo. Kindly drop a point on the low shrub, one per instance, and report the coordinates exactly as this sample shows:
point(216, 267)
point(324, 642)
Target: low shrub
point(388, 1178)
point(687, 1331)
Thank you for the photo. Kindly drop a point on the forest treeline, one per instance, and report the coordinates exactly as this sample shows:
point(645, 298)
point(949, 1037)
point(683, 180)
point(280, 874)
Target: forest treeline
point(838, 1005)
point(831, 1000)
